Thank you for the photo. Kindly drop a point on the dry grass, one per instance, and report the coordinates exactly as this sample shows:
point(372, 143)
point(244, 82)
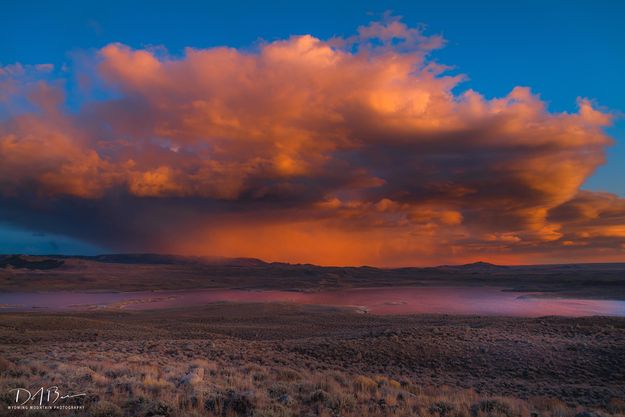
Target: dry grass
point(279, 361)
point(142, 388)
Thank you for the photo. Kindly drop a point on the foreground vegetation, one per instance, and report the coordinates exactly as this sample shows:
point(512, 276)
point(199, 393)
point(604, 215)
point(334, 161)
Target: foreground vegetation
point(139, 387)
point(250, 360)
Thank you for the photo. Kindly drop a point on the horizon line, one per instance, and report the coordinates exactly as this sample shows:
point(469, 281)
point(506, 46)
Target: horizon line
point(215, 257)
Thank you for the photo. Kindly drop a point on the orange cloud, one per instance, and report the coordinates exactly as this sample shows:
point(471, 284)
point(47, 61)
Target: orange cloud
point(343, 151)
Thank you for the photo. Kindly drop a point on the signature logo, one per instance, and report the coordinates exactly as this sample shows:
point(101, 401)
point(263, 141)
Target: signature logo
point(42, 398)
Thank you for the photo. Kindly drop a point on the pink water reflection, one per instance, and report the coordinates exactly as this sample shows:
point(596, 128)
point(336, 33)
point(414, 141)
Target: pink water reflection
point(419, 300)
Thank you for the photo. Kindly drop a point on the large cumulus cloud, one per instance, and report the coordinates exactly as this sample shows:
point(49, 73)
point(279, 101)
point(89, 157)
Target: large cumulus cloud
point(355, 150)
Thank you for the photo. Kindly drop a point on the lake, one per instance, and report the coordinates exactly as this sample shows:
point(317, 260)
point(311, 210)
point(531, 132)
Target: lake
point(412, 300)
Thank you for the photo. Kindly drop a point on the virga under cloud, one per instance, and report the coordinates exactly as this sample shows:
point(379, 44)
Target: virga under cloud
point(344, 151)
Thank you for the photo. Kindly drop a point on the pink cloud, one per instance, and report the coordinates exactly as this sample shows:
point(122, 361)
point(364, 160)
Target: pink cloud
point(356, 140)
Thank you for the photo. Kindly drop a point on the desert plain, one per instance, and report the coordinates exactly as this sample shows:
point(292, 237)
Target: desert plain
point(251, 358)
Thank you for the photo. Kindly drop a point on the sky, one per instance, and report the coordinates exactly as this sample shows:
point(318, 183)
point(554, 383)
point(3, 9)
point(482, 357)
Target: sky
point(345, 133)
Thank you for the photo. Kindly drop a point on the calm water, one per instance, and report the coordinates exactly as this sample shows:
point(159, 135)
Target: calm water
point(447, 300)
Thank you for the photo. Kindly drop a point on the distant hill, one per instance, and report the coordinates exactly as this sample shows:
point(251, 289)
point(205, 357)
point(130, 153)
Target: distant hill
point(134, 272)
point(54, 261)
point(29, 262)
point(475, 266)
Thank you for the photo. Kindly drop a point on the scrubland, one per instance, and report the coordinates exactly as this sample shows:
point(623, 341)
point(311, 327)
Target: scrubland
point(287, 360)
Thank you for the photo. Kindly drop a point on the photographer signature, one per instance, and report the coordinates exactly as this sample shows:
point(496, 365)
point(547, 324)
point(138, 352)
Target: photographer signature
point(43, 395)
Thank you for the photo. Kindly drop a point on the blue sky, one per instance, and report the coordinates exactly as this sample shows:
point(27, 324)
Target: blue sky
point(561, 49)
